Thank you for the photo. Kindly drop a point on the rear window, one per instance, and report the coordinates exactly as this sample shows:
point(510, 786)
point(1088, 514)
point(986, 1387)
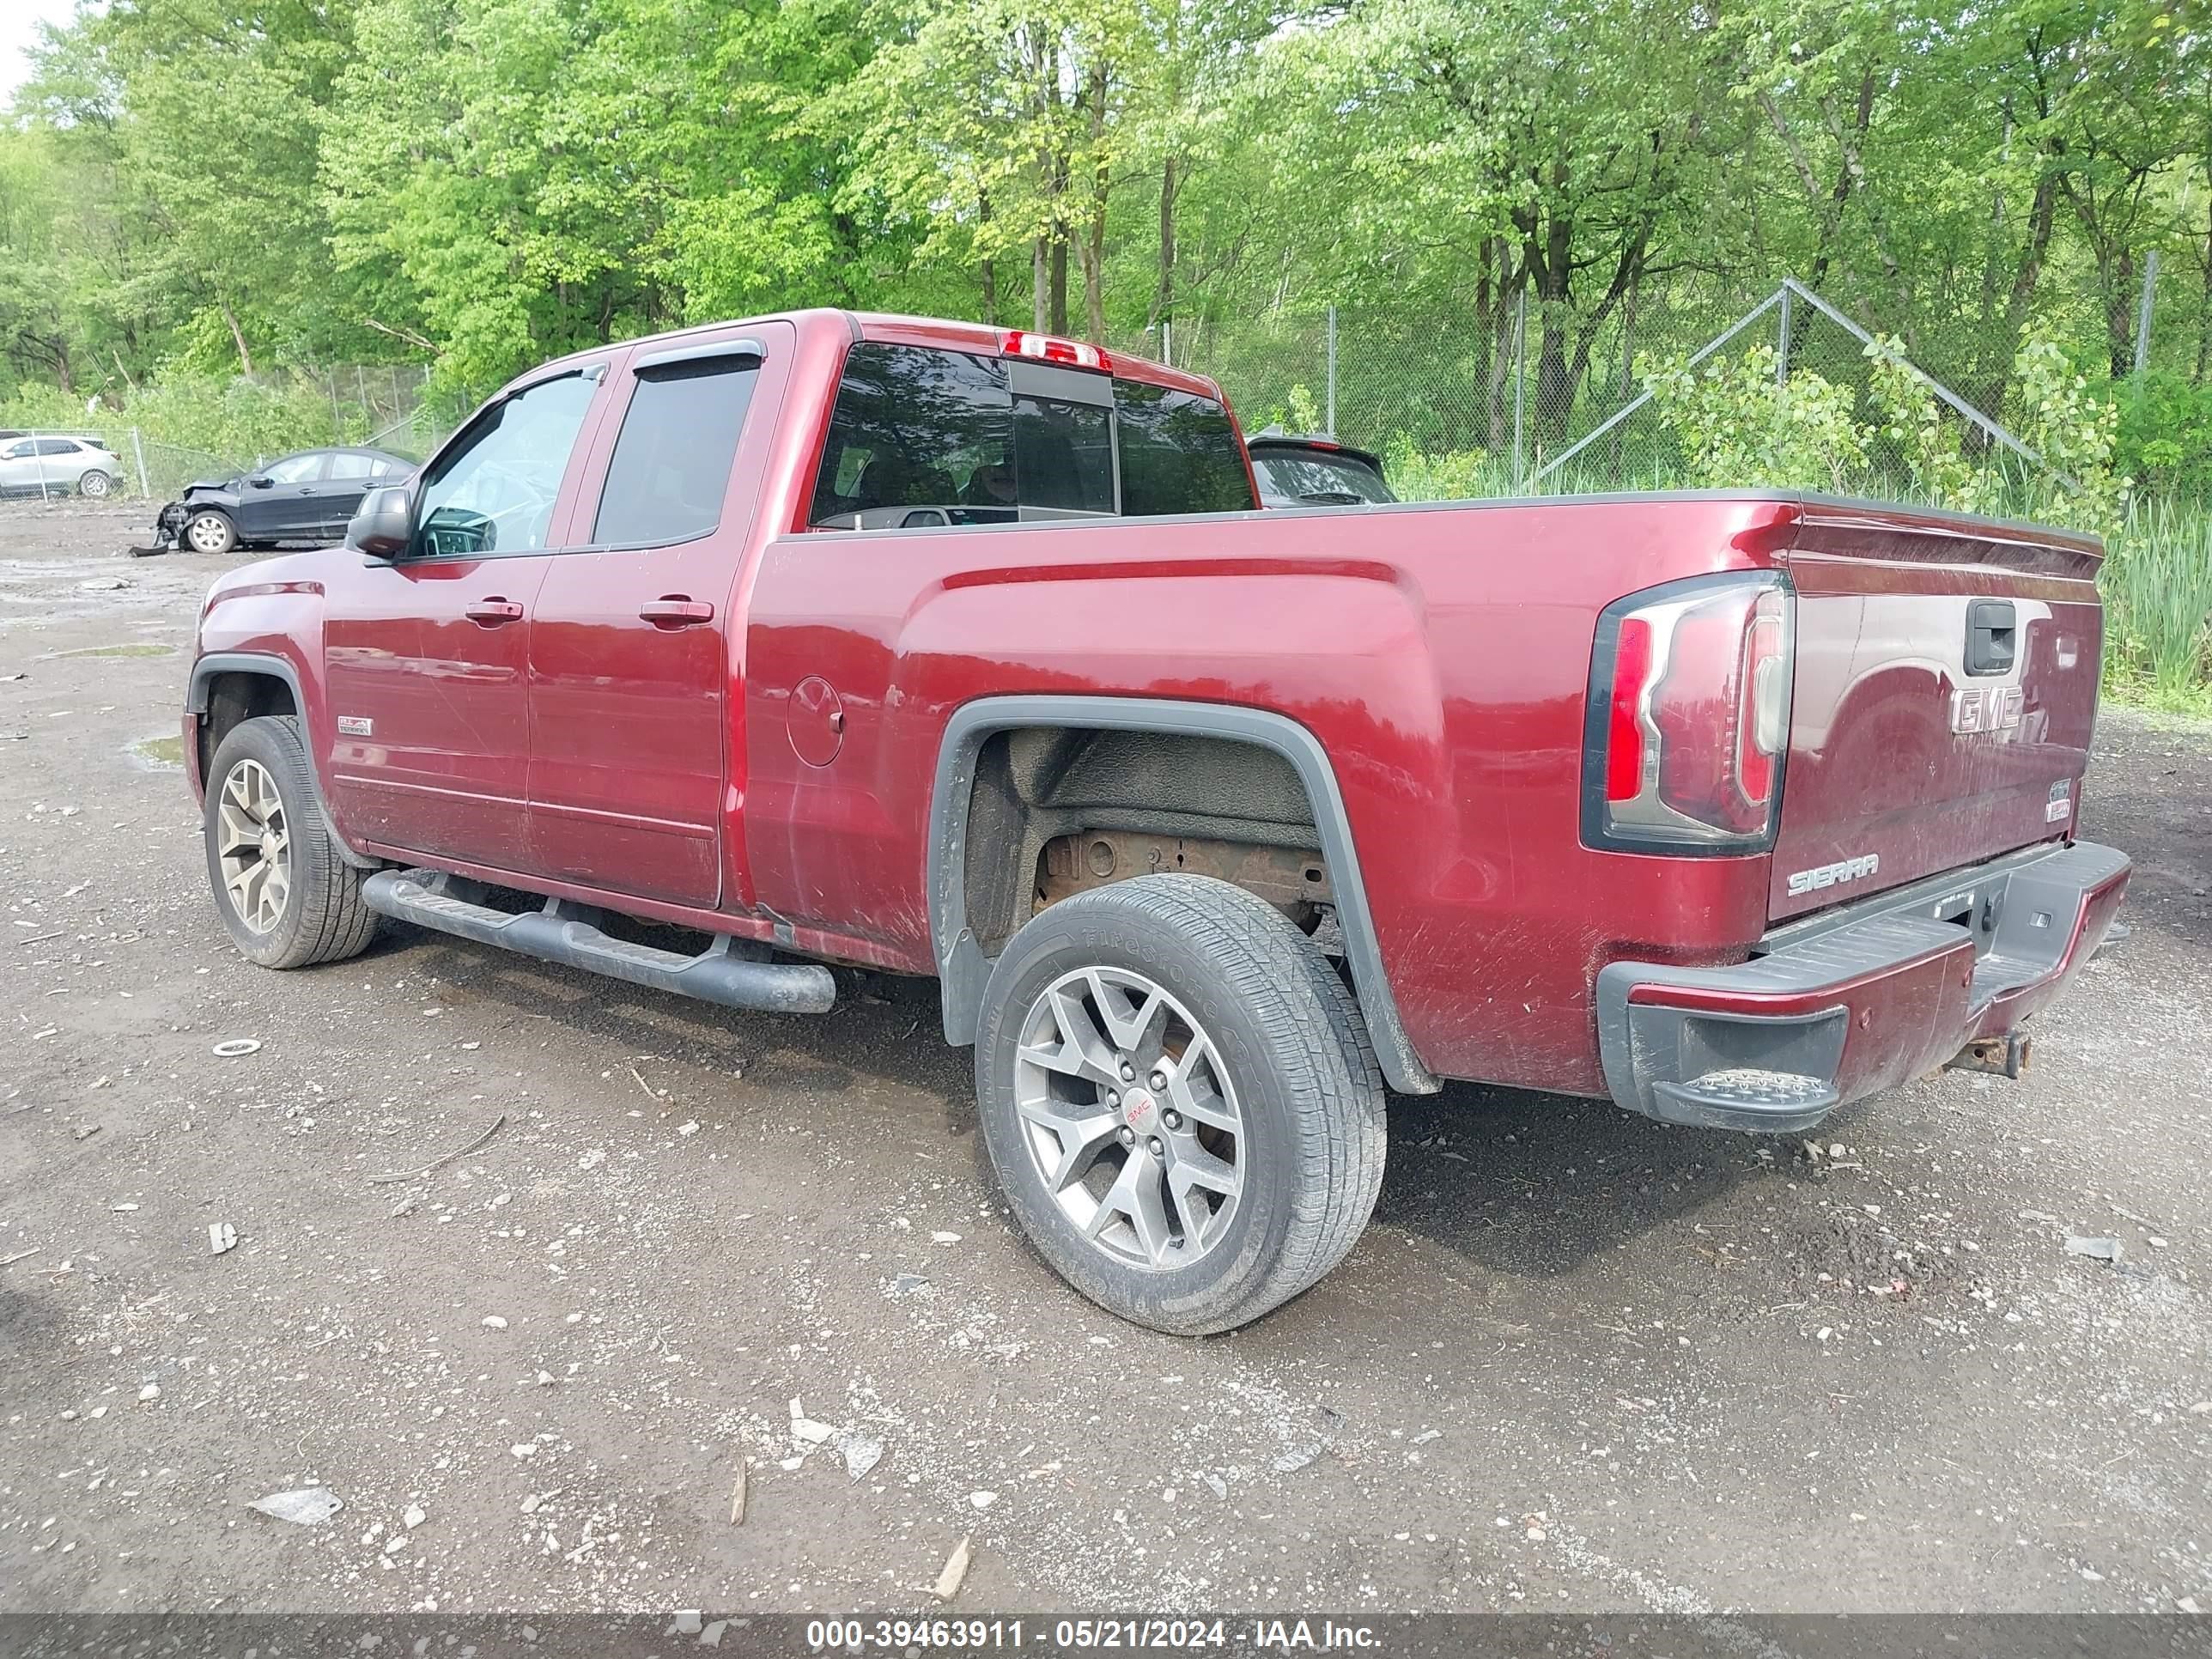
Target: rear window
point(672, 463)
point(1064, 455)
point(920, 436)
point(1178, 453)
point(1315, 477)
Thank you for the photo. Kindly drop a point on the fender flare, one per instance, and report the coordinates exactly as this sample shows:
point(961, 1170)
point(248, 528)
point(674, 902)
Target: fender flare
point(269, 666)
point(964, 969)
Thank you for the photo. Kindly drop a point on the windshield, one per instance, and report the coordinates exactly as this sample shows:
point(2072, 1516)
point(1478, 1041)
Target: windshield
point(1313, 478)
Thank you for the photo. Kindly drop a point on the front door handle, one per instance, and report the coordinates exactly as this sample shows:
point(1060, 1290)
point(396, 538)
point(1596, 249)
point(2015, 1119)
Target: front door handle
point(493, 612)
point(676, 610)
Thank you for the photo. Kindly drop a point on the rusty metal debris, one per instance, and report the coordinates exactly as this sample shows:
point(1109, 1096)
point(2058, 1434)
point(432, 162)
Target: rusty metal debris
point(1288, 877)
point(437, 1163)
point(2001, 1056)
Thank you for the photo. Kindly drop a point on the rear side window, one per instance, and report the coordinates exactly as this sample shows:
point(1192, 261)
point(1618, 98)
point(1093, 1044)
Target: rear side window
point(917, 437)
point(346, 467)
point(58, 447)
point(296, 469)
point(1179, 453)
point(670, 467)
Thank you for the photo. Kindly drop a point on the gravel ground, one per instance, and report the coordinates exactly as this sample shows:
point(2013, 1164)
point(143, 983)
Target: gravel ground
point(1579, 1362)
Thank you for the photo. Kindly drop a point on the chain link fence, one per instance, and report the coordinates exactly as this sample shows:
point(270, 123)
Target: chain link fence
point(165, 436)
point(99, 462)
point(1516, 397)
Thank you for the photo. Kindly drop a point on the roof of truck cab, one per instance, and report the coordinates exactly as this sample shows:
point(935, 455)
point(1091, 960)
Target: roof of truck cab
point(888, 329)
point(983, 339)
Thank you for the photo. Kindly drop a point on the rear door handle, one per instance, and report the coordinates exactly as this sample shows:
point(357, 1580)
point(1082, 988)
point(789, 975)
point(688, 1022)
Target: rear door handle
point(675, 611)
point(493, 612)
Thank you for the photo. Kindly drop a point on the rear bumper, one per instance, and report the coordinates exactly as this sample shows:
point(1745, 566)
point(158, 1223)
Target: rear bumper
point(1846, 1004)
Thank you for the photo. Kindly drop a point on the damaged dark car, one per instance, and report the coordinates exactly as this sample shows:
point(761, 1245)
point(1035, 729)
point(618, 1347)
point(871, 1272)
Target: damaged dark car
point(307, 497)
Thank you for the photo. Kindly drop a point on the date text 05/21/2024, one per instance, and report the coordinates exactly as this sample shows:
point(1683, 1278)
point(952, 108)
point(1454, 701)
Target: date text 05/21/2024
point(1085, 1635)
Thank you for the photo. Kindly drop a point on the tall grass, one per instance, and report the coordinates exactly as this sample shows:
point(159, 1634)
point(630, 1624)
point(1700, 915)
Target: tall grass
point(2157, 583)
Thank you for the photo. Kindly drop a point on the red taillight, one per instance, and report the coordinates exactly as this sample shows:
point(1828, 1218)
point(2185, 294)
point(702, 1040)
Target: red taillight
point(1624, 747)
point(1051, 349)
point(1690, 701)
point(1762, 702)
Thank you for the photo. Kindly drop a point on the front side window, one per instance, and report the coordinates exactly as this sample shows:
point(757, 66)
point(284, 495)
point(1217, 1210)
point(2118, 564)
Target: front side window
point(494, 491)
point(296, 469)
point(918, 436)
point(671, 463)
point(1179, 453)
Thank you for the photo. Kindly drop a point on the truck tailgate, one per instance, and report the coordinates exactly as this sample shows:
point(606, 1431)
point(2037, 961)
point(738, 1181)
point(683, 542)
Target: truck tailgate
point(1943, 700)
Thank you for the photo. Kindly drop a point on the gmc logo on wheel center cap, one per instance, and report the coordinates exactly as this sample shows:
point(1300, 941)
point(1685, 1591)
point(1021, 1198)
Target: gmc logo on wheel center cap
point(1136, 1106)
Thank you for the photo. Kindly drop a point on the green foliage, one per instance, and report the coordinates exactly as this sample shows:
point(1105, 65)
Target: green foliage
point(2166, 432)
point(2157, 583)
point(2075, 432)
point(1740, 423)
point(1457, 475)
point(218, 418)
point(195, 195)
point(1924, 435)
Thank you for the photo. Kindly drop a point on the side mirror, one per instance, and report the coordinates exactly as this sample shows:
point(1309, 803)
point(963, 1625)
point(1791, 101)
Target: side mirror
point(259, 481)
point(382, 524)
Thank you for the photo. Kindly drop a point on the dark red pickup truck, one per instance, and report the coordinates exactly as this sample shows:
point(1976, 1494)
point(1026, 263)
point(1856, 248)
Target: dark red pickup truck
point(707, 660)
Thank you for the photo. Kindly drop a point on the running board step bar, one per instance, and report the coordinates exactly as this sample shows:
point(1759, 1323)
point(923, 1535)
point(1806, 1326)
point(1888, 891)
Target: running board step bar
point(727, 972)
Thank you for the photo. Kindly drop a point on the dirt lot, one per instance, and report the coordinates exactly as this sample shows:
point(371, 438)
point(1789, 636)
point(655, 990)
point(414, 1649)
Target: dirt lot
point(1579, 1361)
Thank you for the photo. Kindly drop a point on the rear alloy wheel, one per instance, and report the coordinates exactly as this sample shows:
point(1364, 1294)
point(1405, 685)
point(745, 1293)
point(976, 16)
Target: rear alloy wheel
point(210, 531)
point(1130, 1116)
point(95, 485)
point(284, 891)
point(1180, 1100)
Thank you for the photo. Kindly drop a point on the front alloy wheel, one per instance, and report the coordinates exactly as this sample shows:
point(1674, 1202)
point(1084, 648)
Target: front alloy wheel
point(1130, 1117)
point(210, 533)
point(254, 845)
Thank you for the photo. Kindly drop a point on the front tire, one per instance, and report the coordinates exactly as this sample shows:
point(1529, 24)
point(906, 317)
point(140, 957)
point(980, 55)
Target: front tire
point(1179, 1098)
point(285, 893)
point(210, 532)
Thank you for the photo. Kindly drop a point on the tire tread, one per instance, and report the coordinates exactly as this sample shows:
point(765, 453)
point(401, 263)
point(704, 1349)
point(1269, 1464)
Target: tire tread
point(332, 922)
point(1309, 1020)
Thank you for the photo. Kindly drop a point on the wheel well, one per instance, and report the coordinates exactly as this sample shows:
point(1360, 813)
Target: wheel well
point(1054, 810)
point(235, 696)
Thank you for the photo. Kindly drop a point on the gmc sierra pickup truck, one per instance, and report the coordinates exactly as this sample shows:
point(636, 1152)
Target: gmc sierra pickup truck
point(708, 660)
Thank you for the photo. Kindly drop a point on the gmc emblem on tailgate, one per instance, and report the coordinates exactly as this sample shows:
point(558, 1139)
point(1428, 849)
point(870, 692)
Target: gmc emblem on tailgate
point(1987, 708)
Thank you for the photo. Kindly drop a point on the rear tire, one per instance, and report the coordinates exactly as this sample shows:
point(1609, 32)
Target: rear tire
point(95, 485)
point(208, 530)
point(284, 890)
point(1196, 1205)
